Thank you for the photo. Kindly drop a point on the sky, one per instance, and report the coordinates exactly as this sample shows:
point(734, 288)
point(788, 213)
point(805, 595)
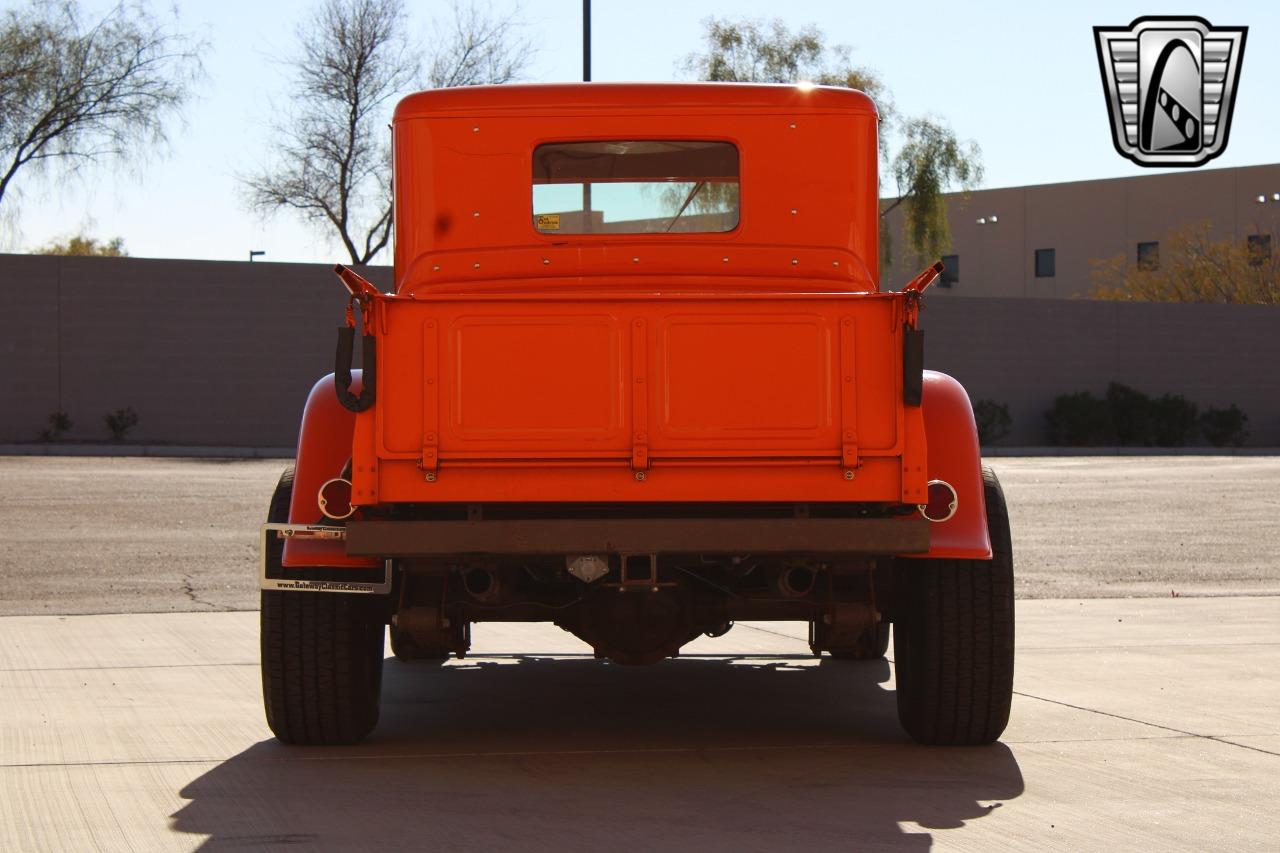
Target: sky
point(1020, 79)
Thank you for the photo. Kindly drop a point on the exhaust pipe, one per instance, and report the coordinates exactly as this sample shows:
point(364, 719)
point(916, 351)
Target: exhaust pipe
point(480, 584)
point(796, 581)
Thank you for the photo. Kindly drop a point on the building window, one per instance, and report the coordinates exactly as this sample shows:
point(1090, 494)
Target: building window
point(1259, 247)
point(1045, 263)
point(1149, 256)
point(950, 271)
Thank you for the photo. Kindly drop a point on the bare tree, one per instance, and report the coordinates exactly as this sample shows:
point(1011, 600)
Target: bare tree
point(334, 160)
point(478, 47)
point(75, 92)
point(333, 171)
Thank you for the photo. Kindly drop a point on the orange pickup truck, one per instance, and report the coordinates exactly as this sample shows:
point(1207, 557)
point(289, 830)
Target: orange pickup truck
point(636, 378)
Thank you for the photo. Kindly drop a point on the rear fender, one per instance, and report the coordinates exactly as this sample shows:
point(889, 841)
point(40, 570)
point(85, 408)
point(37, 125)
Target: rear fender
point(324, 446)
point(955, 456)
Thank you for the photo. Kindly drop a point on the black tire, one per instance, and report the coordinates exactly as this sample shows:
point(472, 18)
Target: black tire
point(953, 639)
point(321, 656)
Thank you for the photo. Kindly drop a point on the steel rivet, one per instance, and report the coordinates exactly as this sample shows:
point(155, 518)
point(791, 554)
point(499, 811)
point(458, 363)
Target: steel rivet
point(724, 260)
point(546, 261)
point(835, 263)
point(792, 125)
point(476, 266)
point(794, 211)
point(475, 213)
point(477, 130)
point(795, 261)
point(635, 260)
point(640, 476)
point(435, 268)
point(431, 476)
point(848, 475)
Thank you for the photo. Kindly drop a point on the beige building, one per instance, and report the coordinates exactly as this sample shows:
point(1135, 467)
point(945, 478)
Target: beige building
point(1039, 241)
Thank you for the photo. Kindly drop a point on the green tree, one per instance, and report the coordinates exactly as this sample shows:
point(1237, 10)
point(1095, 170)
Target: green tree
point(1194, 267)
point(931, 160)
point(76, 92)
point(86, 247)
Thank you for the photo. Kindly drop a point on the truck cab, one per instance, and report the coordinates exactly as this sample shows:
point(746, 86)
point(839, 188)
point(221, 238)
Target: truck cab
point(636, 378)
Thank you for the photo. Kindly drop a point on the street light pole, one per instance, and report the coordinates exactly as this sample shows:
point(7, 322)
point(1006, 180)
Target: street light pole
point(586, 41)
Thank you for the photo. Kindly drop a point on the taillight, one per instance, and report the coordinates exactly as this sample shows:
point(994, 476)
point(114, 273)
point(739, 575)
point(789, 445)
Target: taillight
point(943, 501)
point(335, 499)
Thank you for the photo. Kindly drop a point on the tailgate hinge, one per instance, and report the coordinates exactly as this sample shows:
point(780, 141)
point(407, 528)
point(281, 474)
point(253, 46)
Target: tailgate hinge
point(430, 400)
point(848, 399)
point(639, 399)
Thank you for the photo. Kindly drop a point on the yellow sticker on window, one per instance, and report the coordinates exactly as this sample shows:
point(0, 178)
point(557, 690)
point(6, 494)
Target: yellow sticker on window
point(548, 221)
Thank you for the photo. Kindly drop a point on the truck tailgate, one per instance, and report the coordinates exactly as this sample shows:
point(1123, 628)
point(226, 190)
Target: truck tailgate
point(544, 398)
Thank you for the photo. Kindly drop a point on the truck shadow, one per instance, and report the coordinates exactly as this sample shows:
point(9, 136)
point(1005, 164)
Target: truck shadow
point(568, 753)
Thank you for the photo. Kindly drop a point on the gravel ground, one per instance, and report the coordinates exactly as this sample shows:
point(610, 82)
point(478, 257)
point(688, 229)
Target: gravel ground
point(122, 535)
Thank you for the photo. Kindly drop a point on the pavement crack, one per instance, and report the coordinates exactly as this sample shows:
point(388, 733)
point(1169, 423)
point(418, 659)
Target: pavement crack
point(1184, 732)
point(189, 590)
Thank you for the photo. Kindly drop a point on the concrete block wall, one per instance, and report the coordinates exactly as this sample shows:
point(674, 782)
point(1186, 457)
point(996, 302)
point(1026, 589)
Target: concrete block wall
point(1025, 352)
point(206, 353)
point(224, 353)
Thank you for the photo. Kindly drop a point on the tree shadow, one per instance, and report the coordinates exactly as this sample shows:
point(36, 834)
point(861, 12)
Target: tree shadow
point(569, 753)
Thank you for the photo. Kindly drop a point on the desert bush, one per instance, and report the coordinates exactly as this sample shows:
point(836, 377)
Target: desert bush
point(59, 422)
point(1080, 419)
point(1224, 427)
point(1175, 421)
point(994, 421)
point(1131, 414)
point(120, 422)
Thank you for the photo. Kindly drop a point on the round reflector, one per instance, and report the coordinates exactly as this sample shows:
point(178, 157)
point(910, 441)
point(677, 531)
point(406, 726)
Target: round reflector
point(942, 501)
point(335, 499)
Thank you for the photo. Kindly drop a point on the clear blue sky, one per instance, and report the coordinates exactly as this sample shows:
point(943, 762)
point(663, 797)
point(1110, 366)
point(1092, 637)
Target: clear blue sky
point(1019, 78)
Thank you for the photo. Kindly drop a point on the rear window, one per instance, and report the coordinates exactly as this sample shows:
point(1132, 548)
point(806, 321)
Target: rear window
point(635, 187)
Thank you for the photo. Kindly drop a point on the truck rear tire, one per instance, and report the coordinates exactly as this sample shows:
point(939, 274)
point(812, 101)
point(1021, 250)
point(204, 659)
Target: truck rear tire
point(321, 656)
point(953, 639)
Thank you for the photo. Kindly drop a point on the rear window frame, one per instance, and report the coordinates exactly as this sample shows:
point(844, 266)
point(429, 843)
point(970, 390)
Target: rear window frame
point(686, 236)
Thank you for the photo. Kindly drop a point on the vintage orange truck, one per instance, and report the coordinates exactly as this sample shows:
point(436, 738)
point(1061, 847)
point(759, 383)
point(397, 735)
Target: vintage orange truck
point(636, 378)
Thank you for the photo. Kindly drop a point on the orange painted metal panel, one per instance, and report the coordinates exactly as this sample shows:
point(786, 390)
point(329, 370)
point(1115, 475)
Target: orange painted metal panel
point(758, 382)
point(955, 456)
point(324, 446)
point(464, 214)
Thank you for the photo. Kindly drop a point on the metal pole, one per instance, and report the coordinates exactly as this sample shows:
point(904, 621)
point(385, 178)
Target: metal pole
point(586, 41)
point(586, 78)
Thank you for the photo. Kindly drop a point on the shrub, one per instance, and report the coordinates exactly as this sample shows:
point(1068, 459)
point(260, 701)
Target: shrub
point(1131, 414)
point(993, 421)
point(1225, 427)
point(120, 422)
point(59, 422)
point(1080, 419)
point(1175, 421)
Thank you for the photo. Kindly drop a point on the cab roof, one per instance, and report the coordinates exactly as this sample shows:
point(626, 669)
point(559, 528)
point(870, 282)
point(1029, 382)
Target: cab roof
point(638, 97)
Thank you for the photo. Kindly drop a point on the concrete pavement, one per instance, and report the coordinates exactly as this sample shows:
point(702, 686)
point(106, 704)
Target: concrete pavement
point(1138, 724)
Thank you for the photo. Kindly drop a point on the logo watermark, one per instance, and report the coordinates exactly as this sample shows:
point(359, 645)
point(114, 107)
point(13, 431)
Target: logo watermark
point(1171, 85)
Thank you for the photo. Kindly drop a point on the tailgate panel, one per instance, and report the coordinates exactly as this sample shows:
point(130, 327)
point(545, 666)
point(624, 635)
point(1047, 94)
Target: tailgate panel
point(743, 376)
point(528, 388)
point(520, 379)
